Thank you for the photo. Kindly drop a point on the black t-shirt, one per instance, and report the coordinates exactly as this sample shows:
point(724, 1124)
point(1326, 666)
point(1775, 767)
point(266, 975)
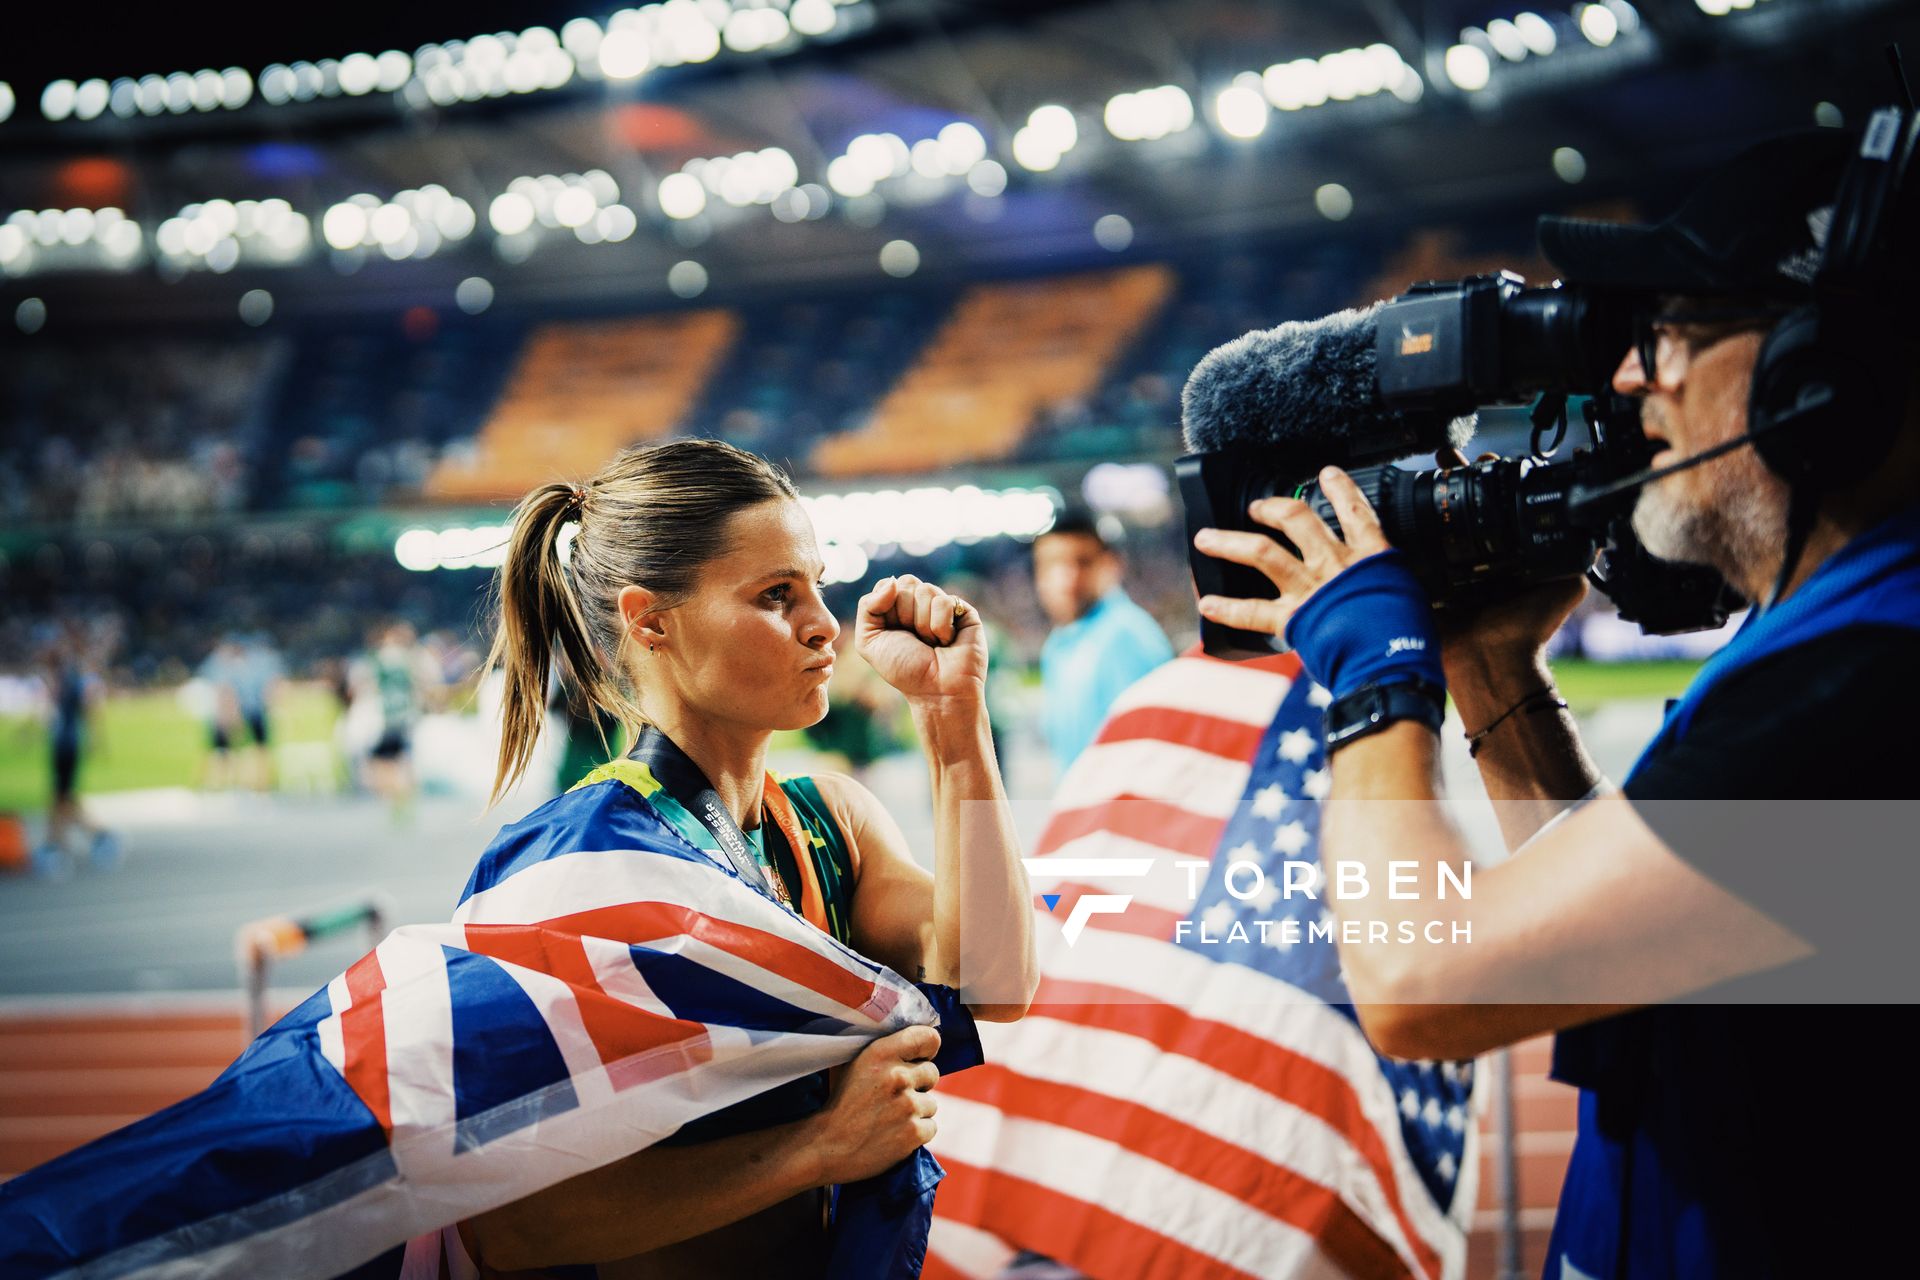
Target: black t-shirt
point(1792, 787)
point(1754, 1114)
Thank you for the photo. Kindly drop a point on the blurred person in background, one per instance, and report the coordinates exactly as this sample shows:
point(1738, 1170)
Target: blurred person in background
point(704, 657)
point(73, 693)
point(400, 679)
point(1101, 640)
point(242, 674)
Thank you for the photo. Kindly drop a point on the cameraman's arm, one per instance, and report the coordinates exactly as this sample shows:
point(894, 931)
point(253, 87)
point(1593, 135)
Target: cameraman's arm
point(1599, 917)
point(1531, 759)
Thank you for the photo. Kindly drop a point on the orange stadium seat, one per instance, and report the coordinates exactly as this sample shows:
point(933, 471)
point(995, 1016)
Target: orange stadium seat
point(1008, 352)
point(582, 392)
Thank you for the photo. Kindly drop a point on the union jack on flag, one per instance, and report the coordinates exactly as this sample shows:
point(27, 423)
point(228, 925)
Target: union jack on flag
point(1198, 1101)
point(602, 983)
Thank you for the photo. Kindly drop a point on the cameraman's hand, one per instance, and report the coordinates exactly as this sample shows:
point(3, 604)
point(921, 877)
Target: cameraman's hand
point(1322, 554)
point(1350, 607)
point(1499, 647)
point(881, 1109)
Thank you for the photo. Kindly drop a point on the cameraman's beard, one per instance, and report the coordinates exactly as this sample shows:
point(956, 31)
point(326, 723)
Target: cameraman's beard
point(1745, 528)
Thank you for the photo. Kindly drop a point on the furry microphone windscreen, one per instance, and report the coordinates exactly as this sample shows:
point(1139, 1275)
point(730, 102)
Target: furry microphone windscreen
point(1304, 383)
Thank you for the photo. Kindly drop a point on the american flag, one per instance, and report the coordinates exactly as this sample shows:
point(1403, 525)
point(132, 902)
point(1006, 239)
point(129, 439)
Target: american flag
point(1206, 1106)
point(602, 983)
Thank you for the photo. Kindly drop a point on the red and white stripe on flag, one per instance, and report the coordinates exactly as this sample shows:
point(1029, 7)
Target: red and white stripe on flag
point(1160, 1115)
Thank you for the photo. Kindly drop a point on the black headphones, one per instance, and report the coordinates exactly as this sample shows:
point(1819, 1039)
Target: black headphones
point(1828, 385)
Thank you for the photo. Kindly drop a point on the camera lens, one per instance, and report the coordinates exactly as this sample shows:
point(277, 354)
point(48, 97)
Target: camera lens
point(1475, 531)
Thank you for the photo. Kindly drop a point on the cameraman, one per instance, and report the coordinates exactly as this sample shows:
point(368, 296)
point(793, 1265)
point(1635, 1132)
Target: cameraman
point(1715, 1137)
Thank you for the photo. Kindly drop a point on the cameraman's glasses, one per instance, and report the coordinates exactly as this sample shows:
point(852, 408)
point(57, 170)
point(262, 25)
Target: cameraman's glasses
point(1668, 341)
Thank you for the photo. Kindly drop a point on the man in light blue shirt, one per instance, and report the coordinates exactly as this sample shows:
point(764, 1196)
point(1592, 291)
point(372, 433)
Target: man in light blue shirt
point(1102, 641)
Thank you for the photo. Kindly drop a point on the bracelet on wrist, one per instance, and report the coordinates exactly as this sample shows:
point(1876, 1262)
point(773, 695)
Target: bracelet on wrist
point(1539, 700)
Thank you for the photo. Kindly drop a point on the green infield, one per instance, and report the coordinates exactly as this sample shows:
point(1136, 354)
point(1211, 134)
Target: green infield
point(1587, 685)
point(145, 739)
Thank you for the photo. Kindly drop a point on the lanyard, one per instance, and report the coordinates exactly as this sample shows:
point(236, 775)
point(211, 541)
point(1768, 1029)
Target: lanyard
point(682, 778)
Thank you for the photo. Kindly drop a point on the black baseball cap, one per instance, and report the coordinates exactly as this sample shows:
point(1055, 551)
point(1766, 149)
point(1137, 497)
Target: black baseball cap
point(1755, 226)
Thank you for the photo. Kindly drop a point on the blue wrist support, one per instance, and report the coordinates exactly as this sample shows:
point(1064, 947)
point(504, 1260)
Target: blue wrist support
point(1370, 624)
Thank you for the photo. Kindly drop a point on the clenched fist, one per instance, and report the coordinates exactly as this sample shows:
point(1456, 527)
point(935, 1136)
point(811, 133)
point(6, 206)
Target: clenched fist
point(922, 641)
point(882, 1107)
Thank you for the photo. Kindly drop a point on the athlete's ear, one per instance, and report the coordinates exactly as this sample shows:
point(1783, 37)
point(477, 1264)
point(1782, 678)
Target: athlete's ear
point(640, 616)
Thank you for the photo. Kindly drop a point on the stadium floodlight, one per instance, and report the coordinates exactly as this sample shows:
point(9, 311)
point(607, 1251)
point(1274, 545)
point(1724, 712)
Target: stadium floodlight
point(987, 178)
point(1537, 33)
point(848, 177)
point(1506, 40)
point(13, 246)
point(359, 73)
point(926, 159)
point(1056, 125)
point(961, 147)
point(122, 240)
point(1350, 74)
point(1467, 66)
point(276, 85)
point(344, 226)
point(1333, 201)
point(90, 100)
point(681, 196)
point(813, 17)
point(454, 218)
point(1241, 111)
point(615, 223)
point(1291, 86)
point(687, 32)
point(899, 258)
point(56, 100)
point(391, 71)
point(1569, 165)
point(1148, 115)
point(256, 307)
point(308, 81)
point(687, 279)
point(6, 101)
point(76, 227)
point(510, 213)
point(1599, 24)
point(574, 207)
point(624, 55)
point(1034, 150)
point(205, 90)
point(390, 224)
point(473, 295)
point(418, 550)
point(582, 38)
